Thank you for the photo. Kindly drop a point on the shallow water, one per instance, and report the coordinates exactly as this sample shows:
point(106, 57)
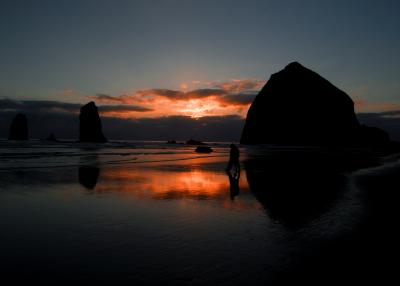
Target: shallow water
point(153, 213)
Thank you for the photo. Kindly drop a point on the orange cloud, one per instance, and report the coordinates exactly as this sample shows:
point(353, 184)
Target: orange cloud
point(217, 98)
point(213, 99)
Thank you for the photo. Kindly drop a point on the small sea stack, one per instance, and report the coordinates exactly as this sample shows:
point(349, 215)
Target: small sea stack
point(90, 128)
point(19, 128)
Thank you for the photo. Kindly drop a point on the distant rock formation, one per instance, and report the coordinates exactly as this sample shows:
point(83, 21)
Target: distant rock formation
point(203, 149)
point(19, 128)
point(90, 129)
point(299, 107)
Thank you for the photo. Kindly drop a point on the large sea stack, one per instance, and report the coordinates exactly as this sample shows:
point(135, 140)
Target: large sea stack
point(19, 128)
point(90, 129)
point(299, 107)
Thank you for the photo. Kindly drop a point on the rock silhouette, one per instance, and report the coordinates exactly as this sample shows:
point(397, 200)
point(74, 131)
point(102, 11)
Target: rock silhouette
point(19, 128)
point(299, 107)
point(90, 128)
point(203, 149)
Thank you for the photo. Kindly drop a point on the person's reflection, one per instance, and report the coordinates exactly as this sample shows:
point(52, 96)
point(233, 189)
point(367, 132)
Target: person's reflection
point(88, 176)
point(233, 159)
point(234, 184)
point(233, 170)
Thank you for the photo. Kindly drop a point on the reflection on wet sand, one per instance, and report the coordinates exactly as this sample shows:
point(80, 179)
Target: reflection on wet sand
point(88, 176)
point(234, 185)
point(148, 221)
point(295, 188)
point(146, 217)
point(146, 182)
point(88, 171)
point(233, 171)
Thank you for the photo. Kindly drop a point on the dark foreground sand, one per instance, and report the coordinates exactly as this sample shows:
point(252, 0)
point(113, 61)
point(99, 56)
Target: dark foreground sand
point(367, 252)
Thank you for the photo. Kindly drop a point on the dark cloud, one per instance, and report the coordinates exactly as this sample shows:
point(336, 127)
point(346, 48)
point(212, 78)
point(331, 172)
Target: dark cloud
point(122, 108)
point(240, 85)
point(108, 98)
point(209, 128)
point(180, 95)
point(58, 106)
point(391, 113)
point(41, 124)
point(65, 125)
point(239, 99)
point(61, 118)
point(150, 94)
point(38, 105)
point(206, 92)
point(144, 95)
point(388, 120)
point(163, 92)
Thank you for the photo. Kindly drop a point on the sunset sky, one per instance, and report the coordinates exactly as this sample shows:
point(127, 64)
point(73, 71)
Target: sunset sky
point(145, 59)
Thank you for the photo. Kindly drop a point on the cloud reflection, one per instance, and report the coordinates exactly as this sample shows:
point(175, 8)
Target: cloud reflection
point(177, 184)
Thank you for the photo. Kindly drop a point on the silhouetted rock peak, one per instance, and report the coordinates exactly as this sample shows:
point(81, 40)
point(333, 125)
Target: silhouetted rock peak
point(19, 128)
point(294, 65)
point(90, 128)
point(299, 107)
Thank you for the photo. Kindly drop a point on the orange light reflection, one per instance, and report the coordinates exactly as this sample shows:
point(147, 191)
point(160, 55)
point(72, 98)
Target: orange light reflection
point(151, 183)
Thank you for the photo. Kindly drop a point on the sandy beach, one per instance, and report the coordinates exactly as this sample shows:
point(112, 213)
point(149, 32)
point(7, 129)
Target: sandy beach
point(158, 213)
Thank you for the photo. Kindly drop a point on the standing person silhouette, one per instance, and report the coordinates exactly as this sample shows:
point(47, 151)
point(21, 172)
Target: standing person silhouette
point(233, 171)
point(233, 161)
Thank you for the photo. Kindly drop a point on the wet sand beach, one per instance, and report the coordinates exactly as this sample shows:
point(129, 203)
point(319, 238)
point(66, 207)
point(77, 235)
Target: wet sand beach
point(161, 214)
